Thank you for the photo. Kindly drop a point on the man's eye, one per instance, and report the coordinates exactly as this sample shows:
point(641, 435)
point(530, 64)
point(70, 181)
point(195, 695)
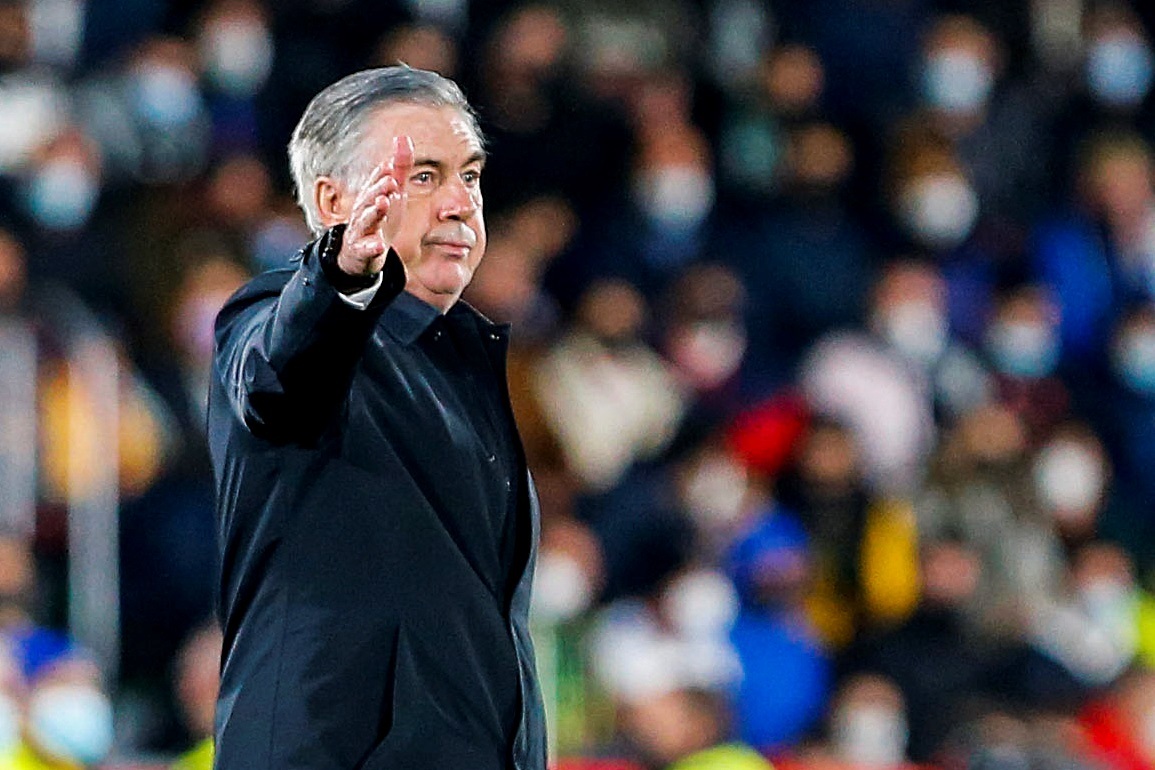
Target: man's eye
point(422, 177)
point(471, 177)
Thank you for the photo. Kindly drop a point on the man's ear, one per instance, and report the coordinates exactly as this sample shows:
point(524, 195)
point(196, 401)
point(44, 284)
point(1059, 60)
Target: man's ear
point(332, 206)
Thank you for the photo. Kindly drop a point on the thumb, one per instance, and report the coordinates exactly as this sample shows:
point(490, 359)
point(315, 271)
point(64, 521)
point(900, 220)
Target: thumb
point(402, 162)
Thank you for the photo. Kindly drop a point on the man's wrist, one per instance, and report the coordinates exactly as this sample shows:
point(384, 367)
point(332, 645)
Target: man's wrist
point(328, 249)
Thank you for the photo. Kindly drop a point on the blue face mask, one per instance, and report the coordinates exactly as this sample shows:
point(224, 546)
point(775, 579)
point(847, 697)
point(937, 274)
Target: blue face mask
point(1023, 350)
point(72, 722)
point(1120, 70)
point(1134, 361)
point(62, 195)
point(166, 97)
point(957, 81)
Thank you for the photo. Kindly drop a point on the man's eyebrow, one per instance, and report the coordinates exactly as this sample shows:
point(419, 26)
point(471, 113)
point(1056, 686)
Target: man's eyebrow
point(477, 157)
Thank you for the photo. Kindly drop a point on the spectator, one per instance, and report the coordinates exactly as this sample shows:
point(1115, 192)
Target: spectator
point(1096, 257)
point(786, 671)
point(68, 722)
point(937, 663)
point(603, 362)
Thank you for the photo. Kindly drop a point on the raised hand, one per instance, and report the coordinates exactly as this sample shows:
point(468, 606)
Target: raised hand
point(377, 213)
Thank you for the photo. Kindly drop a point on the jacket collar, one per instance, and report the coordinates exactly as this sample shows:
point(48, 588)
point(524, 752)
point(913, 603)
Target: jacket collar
point(407, 317)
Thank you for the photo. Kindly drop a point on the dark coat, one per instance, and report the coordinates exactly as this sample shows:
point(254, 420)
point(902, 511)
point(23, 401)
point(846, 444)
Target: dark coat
point(362, 628)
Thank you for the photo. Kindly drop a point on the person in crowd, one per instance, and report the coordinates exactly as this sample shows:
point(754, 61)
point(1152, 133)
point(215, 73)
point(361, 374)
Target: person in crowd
point(936, 661)
point(1095, 256)
point(606, 393)
point(866, 728)
point(67, 713)
point(786, 671)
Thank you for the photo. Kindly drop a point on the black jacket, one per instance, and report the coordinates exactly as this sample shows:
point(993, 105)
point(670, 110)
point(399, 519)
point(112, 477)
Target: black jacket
point(374, 605)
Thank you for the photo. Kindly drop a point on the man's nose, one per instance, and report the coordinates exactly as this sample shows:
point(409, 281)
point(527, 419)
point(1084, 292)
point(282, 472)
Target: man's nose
point(457, 201)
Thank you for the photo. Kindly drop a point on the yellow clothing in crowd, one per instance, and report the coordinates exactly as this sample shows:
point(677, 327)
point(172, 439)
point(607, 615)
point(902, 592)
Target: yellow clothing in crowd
point(20, 757)
point(199, 757)
point(731, 756)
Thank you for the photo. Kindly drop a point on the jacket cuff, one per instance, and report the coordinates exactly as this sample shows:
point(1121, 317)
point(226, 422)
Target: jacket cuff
point(328, 248)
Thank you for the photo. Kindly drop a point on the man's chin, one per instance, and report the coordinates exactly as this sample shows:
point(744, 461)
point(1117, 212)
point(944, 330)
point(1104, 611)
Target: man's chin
point(443, 287)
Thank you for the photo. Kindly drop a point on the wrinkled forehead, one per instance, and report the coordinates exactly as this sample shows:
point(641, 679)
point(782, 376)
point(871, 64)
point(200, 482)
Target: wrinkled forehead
point(445, 128)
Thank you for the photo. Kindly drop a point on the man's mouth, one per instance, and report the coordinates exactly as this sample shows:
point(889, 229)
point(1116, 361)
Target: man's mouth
point(456, 244)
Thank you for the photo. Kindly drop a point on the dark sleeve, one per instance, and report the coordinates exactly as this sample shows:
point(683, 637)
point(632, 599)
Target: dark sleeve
point(287, 346)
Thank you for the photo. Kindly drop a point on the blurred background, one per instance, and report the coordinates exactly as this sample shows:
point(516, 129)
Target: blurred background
point(834, 360)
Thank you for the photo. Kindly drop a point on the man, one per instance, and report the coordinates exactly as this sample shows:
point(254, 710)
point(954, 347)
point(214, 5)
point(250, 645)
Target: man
point(378, 525)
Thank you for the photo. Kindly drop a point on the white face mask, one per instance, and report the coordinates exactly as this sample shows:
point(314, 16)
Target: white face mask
point(1023, 349)
point(166, 96)
point(701, 604)
point(870, 736)
point(716, 493)
point(62, 195)
point(939, 210)
point(676, 196)
point(238, 56)
point(1108, 602)
point(1134, 360)
point(562, 589)
point(916, 329)
point(709, 352)
point(1068, 477)
point(72, 722)
point(957, 81)
point(1119, 69)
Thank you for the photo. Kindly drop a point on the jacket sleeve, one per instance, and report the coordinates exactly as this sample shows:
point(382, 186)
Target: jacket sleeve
point(287, 347)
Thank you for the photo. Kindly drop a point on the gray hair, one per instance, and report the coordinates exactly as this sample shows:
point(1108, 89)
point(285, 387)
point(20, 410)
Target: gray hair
point(326, 139)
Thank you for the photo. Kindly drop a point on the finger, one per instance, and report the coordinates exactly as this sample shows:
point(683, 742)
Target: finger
point(390, 187)
point(373, 206)
point(369, 220)
point(372, 189)
point(402, 162)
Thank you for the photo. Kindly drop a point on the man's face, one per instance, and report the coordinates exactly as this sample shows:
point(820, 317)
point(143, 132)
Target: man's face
point(442, 236)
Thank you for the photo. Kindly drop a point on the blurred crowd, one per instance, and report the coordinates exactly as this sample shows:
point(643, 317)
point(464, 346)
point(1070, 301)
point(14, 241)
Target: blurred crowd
point(834, 359)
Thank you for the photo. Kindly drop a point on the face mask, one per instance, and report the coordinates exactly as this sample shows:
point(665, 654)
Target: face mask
point(939, 210)
point(870, 736)
point(1108, 602)
point(1023, 350)
point(165, 96)
point(62, 195)
point(678, 197)
point(957, 81)
point(751, 153)
point(238, 56)
point(716, 493)
point(709, 352)
point(701, 604)
point(1134, 361)
point(1119, 70)
point(1068, 477)
point(71, 722)
point(916, 329)
point(562, 590)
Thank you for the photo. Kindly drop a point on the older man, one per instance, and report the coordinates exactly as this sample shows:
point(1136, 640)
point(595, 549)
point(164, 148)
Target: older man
point(378, 525)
